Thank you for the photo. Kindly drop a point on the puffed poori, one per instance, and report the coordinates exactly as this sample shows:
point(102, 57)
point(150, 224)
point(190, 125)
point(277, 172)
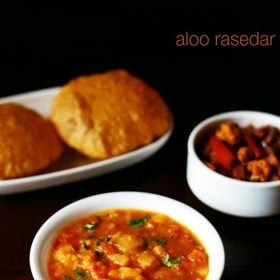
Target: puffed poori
point(107, 114)
point(28, 142)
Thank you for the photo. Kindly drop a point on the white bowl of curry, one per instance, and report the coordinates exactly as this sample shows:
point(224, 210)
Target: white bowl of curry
point(233, 163)
point(127, 235)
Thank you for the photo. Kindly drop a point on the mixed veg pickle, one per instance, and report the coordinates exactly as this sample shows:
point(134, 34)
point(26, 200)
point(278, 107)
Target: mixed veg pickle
point(127, 244)
point(244, 153)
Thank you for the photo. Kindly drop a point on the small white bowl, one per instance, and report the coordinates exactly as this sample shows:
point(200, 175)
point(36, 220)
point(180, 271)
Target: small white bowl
point(228, 195)
point(184, 214)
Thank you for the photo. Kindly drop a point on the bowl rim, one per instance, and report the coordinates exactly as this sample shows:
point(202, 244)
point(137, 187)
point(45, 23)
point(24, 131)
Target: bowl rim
point(220, 117)
point(43, 234)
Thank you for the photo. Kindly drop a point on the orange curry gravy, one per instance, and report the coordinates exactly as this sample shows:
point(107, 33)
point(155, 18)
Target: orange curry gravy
point(127, 244)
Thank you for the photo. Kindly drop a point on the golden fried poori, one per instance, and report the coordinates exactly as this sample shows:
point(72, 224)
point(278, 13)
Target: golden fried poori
point(107, 114)
point(28, 142)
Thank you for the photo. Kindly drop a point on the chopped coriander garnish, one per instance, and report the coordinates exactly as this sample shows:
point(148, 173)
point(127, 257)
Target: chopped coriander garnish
point(170, 262)
point(159, 240)
point(78, 274)
point(90, 227)
point(99, 249)
point(66, 277)
point(99, 252)
point(85, 244)
point(137, 223)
